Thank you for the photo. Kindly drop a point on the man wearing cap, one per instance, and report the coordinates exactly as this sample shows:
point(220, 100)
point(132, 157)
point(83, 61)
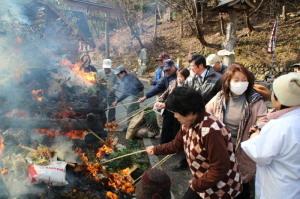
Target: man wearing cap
point(131, 87)
point(206, 80)
point(170, 74)
point(276, 148)
point(159, 73)
point(215, 61)
point(109, 79)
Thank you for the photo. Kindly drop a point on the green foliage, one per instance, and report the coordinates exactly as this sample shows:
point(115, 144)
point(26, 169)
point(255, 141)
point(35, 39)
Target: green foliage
point(139, 159)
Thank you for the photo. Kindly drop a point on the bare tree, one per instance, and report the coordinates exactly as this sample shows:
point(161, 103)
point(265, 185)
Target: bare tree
point(194, 10)
point(130, 16)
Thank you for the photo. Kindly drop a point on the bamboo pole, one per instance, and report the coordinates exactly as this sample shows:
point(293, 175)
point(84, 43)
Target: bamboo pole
point(136, 113)
point(126, 119)
point(122, 104)
point(94, 134)
point(27, 148)
point(123, 156)
point(159, 163)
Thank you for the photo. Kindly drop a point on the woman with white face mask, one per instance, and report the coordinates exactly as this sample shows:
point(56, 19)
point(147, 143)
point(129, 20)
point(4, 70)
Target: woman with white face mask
point(240, 108)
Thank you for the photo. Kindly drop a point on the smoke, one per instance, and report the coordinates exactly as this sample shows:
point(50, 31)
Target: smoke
point(33, 40)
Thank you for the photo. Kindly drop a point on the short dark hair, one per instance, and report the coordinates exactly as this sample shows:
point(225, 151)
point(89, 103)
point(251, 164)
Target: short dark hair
point(185, 101)
point(281, 106)
point(184, 72)
point(236, 67)
point(199, 59)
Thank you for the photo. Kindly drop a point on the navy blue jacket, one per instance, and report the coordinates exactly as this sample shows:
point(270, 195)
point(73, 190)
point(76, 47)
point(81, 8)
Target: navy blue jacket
point(161, 86)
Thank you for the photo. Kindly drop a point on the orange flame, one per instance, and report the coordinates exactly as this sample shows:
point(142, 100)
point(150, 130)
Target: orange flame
point(122, 181)
point(73, 134)
point(76, 134)
point(94, 169)
point(65, 114)
point(104, 150)
point(111, 195)
point(1, 145)
point(88, 79)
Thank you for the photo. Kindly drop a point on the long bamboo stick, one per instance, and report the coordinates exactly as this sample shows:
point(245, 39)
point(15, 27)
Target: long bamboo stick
point(27, 148)
point(135, 113)
point(122, 104)
point(159, 163)
point(125, 120)
point(94, 134)
point(123, 156)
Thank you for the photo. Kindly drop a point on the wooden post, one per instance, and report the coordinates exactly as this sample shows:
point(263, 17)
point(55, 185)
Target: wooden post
point(283, 14)
point(106, 36)
point(222, 24)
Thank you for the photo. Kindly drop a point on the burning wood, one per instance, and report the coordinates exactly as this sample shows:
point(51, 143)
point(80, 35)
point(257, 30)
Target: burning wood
point(122, 181)
point(111, 195)
point(104, 150)
point(89, 79)
point(73, 134)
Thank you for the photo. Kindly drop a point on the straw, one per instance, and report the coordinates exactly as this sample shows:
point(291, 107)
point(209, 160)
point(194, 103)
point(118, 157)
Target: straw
point(123, 156)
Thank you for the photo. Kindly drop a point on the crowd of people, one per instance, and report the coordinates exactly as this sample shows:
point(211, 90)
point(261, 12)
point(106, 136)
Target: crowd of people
point(217, 117)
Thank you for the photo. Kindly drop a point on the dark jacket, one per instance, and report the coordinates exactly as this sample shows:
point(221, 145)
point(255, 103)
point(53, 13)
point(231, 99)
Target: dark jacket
point(158, 75)
point(161, 86)
point(209, 87)
point(131, 85)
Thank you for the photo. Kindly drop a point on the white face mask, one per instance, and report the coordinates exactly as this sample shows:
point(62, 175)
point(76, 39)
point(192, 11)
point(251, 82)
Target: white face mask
point(238, 88)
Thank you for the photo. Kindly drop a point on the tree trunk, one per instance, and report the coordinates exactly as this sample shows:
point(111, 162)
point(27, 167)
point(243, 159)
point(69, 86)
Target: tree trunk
point(230, 39)
point(249, 25)
point(202, 13)
point(200, 37)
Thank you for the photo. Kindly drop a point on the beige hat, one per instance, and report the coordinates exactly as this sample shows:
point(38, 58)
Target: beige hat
point(287, 89)
point(212, 59)
point(106, 63)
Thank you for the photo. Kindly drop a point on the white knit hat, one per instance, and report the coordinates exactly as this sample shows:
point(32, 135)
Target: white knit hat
point(106, 63)
point(212, 59)
point(287, 89)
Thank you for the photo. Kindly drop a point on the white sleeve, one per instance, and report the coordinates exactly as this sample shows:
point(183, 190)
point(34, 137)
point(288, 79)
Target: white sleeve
point(263, 148)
